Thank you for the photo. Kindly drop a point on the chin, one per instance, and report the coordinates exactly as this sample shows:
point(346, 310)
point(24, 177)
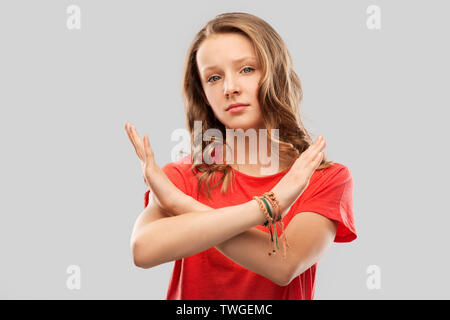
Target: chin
point(244, 125)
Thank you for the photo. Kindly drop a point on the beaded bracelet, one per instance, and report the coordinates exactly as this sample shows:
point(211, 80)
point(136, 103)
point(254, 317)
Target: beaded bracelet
point(269, 221)
point(272, 219)
point(270, 196)
point(264, 210)
point(263, 199)
point(276, 204)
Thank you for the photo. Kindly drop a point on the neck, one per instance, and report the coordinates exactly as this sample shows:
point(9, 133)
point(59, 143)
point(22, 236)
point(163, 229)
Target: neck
point(255, 154)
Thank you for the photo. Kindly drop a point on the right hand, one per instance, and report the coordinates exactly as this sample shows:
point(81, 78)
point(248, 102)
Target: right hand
point(163, 191)
point(292, 185)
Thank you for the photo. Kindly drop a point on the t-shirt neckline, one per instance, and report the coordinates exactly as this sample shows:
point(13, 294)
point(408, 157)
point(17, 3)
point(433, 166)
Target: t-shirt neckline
point(260, 177)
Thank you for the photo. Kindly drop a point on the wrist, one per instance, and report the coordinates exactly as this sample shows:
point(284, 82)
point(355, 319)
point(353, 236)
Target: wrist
point(288, 190)
point(259, 217)
point(283, 200)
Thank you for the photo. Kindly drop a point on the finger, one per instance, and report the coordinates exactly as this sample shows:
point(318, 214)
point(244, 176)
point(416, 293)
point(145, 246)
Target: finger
point(314, 148)
point(314, 164)
point(145, 179)
point(145, 148)
point(137, 142)
point(319, 141)
point(322, 143)
point(319, 157)
point(318, 146)
point(315, 143)
point(148, 149)
point(128, 130)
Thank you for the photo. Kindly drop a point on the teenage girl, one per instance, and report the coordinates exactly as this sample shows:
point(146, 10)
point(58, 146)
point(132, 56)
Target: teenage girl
point(240, 228)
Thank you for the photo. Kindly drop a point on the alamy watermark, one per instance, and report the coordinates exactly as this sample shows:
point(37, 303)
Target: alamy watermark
point(373, 21)
point(73, 282)
point(373, 282)
point(257, 146)
point(74, 19)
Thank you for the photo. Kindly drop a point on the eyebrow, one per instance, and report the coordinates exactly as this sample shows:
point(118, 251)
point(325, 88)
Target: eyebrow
point(234, 61)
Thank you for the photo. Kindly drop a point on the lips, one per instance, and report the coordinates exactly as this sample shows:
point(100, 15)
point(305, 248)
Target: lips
point(231, 106)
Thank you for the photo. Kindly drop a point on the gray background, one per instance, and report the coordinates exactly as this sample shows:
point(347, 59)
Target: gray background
point(71, 185)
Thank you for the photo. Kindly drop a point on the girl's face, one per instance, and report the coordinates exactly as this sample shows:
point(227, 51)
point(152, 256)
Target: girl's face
point(230, 73)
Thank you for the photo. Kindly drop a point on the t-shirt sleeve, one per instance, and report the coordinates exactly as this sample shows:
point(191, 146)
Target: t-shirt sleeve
point(175, 175)
point(332, 197)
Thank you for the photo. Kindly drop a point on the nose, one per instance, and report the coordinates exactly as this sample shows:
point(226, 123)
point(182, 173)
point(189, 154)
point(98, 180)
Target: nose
point(231, 88)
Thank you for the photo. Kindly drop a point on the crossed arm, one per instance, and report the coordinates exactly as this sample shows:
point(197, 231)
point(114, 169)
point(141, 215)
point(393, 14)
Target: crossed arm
point(231, 231)
point(158, 238)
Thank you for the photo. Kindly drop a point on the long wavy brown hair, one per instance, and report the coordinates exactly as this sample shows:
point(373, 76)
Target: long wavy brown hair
point(279, 96)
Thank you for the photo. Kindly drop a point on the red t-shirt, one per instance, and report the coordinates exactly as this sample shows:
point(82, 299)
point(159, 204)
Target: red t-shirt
point(209, 275)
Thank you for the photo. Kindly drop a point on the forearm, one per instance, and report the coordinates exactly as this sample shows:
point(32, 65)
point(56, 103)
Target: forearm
point(248, 249)
point(173, 238)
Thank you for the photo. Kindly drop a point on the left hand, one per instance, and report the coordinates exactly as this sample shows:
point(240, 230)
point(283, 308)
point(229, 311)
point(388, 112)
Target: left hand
point(162, 189)
point(292, 185)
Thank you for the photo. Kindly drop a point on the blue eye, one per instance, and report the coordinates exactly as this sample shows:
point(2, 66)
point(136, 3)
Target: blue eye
point(242, 70)
point(211, 78)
